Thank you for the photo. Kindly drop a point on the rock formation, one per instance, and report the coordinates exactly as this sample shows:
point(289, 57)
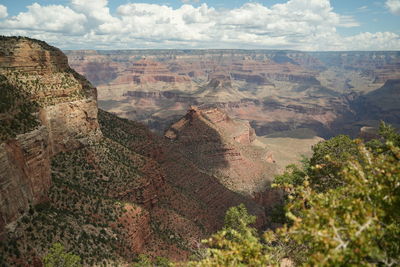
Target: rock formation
point(275, 90)
point(42, 74)
point(222, 148)
point(105, 187)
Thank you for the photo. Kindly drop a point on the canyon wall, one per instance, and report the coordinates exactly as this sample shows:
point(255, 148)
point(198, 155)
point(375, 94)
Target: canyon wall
point(107, 188)
point(66, 118)
point(275, 90)
point(24, 173)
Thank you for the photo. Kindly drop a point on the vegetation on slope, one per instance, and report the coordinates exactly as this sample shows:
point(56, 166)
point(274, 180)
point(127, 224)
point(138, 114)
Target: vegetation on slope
point(342, 208)
point(16, 39)
point(87, 208)
point(16, 108)
point(83, 210)
point(57, 257)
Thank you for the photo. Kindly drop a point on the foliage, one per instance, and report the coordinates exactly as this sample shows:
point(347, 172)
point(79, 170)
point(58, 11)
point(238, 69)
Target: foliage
point(57, 257)
point(16, 110)
point(388, 133)
point(162, 262)
point(293, 175)
point(343, 206)
point(323, 168)
point(237, 244)
point(143, 260)
point(327, 160)
point(238, 219)
point(357, 224)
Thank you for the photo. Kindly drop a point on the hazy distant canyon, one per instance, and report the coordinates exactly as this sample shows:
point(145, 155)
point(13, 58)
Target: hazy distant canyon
point(280, 93)
point(228, 122)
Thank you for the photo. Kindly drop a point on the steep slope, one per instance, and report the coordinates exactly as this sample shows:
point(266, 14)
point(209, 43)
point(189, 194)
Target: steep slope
point(189, 189)
point(38, 89)
point(382, 103)
point(107, 191)
point(222, 148)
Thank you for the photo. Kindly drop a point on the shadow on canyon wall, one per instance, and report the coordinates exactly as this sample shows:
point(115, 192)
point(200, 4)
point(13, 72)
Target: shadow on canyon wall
point(186, 163)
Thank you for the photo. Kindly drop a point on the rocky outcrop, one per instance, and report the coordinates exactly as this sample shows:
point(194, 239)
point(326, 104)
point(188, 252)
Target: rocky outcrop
point(24, 174)
point(71, 125)
point(123, 193)
point(167, 95)
point(222, 77)
point(28, 56)
point(251, 78)
point(67, 116)
point(147, 71)
point(136, 227)
point(376, 65)
point(221, 147)
point(380, 104)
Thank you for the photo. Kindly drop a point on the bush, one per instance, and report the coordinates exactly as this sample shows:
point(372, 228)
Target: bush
point(343, 206)
point(57, 257)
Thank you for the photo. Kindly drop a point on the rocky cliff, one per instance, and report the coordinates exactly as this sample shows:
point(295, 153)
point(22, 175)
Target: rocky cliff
point(293, 89)
point(106, 188)
point(222, 147)
point(39, 90)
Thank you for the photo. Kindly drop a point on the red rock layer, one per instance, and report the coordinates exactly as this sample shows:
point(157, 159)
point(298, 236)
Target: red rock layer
point(221, 147)
point(43, 72)
point(147, 71)
point(24, 174)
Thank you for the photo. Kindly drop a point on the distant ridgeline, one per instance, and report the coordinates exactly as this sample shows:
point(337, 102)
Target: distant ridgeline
point(276, 91)
point(76, 180)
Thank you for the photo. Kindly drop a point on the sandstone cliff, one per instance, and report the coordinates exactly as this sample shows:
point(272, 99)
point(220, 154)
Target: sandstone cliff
point(221, 147)
point(275, 90)
point(39, 90)
point(107, 191)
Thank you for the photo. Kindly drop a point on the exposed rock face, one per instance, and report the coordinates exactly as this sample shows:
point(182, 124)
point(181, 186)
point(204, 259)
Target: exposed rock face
point(222, 148)
point(379, 66)
point(219, 81)
point(136, 222)
point(146, 71)
point(71, 124)
point(189, 202)
point(24, 174)
point(123, 193)
point(294, 89)
point(380, 104)
point(31, 57)
point(42, 72)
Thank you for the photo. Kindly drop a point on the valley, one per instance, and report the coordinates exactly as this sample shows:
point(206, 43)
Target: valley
point(274, 90)
point(75, 174)
point(179, 138)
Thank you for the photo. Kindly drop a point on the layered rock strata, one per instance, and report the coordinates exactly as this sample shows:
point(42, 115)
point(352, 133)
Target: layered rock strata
point(67, 117)
point(300, 82)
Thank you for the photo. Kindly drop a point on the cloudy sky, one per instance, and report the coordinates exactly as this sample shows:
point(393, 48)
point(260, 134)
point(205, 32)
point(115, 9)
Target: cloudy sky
point(186, 24)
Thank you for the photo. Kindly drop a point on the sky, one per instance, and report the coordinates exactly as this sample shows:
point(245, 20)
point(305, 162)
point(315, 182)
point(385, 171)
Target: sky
point(308, 25)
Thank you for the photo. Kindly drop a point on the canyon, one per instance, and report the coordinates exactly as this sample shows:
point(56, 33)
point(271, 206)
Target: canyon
point(180, 136)
point(105, 187)
point(276, 91)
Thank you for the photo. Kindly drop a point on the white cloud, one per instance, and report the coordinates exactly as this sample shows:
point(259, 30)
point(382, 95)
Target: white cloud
point(296, 24)
point(3, 12)
point(52, 18)
point(373, 41)
point(393, 6)
point(96, 10)
point(188, 1)
point(362, 8)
